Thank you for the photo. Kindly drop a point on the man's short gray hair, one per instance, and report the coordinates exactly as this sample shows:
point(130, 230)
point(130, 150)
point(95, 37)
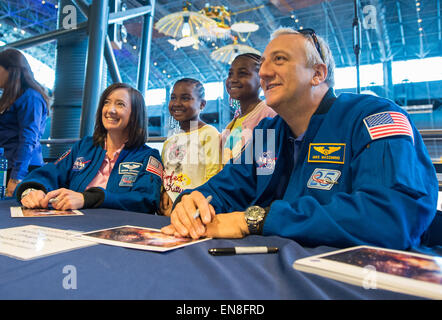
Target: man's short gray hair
point(312, 53)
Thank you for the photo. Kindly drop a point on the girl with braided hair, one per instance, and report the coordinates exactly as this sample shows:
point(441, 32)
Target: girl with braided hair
point(243, 86)
point(191, 156)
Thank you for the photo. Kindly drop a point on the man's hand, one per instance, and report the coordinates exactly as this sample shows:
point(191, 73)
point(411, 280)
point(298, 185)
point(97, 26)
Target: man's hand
point(182, 218)
point(183, 223)
point(64, 199)
point(228, 225)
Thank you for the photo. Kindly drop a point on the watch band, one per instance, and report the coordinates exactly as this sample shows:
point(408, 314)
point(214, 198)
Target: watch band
point(26, 192)
point(255, 227)
point(27, 185)
point(254, 217)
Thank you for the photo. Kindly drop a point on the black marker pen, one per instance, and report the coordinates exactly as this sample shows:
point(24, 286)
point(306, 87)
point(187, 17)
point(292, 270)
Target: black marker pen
point(241, 250)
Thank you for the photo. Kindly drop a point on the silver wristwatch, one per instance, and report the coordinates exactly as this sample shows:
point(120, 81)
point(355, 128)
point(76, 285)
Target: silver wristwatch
point(26, 192)
point(254, 216)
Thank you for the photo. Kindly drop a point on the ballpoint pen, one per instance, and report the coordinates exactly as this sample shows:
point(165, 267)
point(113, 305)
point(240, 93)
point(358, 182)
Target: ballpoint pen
point(197, 212)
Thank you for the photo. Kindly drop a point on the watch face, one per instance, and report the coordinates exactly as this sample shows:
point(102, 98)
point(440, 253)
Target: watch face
point(255, 213)
point(254, 217)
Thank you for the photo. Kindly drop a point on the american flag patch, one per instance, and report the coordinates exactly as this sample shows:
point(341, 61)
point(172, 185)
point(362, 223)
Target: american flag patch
point(155, 167)
point(386, 124)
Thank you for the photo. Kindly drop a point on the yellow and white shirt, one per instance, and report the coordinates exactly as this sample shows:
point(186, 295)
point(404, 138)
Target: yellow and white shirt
point(190, 159)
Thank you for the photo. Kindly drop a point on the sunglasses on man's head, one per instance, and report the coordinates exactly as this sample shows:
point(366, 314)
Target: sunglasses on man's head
point(312, 34)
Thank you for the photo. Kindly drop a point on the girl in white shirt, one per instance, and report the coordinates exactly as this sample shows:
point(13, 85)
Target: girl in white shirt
point(191, 156)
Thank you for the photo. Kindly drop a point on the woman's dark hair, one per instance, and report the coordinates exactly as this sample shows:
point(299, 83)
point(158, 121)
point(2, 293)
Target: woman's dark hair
point(199, 88)
point(137, 121)
point(20, 78)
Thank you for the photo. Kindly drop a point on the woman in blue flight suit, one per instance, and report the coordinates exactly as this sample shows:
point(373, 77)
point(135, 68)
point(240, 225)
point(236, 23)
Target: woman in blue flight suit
point(112, 169)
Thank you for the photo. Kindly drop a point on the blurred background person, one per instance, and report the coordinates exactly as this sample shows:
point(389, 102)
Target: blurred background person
point(23, 113)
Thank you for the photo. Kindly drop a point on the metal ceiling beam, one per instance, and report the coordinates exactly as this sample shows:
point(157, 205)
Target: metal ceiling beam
point(108, 52)
point(335, 38)
point(215, 65)
point(4, 6)
point(13, 14)
point(121, 16)
point(111, 61)
point(188, 59)
point(401, 26)
point(336, 26)
point(439, 22)
point(146, 38)
point(97, 20)
point(168, 61)
point(39, 23)
point(357, 43)
point(367, 35)
point(47, 37)
point(144, 59)
point(158, 79)
point(270, 25)
point(382, 32)
point(384, 47)
point(27, 17)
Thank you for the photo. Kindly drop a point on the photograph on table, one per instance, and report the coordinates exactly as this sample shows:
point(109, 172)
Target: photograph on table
point(379, 268)
point(138, 238)
point(22, 212)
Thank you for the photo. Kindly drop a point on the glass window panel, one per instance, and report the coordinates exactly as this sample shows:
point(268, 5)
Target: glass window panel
point(155, 97)
point(214, 90)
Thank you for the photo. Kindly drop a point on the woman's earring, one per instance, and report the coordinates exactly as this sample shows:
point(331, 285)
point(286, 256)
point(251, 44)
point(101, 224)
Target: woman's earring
point(236, 106)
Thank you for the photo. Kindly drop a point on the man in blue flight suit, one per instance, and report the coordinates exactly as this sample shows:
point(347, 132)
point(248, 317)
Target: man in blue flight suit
point(340, 171)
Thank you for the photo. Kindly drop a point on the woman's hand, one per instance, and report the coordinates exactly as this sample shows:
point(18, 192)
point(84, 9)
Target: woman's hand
point(33, 199)
point(165, 204)
point(10, 188)
point(63, 199)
